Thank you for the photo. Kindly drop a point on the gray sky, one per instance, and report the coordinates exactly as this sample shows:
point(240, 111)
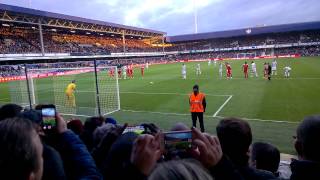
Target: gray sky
point(176, 16)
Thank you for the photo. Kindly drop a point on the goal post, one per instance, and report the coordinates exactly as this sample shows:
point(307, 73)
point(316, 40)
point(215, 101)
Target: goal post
point(96, 92)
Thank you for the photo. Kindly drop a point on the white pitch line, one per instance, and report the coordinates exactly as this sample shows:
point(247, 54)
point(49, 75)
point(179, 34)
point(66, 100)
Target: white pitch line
point(263, 120)
point(4, 99)
point(154, 112)
point(222, 106)
point(220, 117)
point(77, 115)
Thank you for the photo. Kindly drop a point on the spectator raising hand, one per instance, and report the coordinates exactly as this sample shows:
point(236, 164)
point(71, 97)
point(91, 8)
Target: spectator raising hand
point(208, 150)
point(145, 153)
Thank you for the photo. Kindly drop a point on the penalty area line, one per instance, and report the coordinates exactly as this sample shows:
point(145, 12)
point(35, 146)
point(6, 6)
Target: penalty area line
point(219, 117)
point(222, 106)
point(155, 112)
point(263, 120)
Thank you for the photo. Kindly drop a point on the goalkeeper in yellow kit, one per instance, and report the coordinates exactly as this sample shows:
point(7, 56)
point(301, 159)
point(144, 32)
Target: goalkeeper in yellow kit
point(71, 99)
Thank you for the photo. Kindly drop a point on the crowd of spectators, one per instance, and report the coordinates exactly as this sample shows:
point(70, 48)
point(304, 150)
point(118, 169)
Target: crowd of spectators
point(101, 148)
point(243, 41)
point(10, 70)
point(18, 40)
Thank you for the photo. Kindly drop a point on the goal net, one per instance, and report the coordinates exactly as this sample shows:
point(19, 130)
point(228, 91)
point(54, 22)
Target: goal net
point(95, 92)
point(18, 89)
point(246, 55)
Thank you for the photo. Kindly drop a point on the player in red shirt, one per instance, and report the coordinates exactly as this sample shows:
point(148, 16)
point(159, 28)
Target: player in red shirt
point(245, 68)
point(131, 71)
point(111, 72)
point(142, 70)
point(229, 71)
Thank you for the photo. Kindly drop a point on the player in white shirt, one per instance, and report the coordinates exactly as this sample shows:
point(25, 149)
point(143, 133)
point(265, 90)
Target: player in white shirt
point(215, 63)
point(124, 72)
point(274, 67)
point(220, 69)
point(184, 71)
point(209, 62)
point(198, 70)
point(254, 69)
point(147, 65)
point(287, 70)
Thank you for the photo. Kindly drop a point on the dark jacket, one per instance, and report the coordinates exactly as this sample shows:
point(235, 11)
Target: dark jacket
point(77, 160)
point(117, 163)
point(52, 164)
point(305, 170)
point(225, 170)
point(249, 173)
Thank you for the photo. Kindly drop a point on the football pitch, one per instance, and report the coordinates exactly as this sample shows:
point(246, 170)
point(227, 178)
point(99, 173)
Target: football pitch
point(273, 108)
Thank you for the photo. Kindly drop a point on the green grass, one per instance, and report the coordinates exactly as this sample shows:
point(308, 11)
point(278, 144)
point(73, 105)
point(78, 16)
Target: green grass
point(256, 99)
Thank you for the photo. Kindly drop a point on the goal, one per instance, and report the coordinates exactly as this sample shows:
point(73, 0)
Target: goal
point(246, 55)
point(96, 93)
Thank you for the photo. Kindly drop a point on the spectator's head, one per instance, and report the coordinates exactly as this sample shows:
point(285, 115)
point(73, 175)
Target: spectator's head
point(73, 81)
point(179, 127)
point(111, 120)
point(36, 118)
point(119, 155)
point(235, 137)
point(9, 111)
point(92, 123)
point(307, 142)
point(100, 132)
point(21, 150)
point(180, 170)
point(76, 126)
point(264, 156)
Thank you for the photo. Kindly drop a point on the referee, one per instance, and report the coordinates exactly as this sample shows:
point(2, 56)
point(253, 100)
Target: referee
point(197, 102)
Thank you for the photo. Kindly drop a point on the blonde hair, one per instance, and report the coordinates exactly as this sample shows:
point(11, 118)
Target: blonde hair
point(180, 170)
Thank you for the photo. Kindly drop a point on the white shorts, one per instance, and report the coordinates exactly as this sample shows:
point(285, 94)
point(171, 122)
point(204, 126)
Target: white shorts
point(184, 72)
point(273, 68)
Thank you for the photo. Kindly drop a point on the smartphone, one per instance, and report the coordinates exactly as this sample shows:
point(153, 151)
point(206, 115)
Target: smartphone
point(177, 140)
point(135, 129)
point(48, 116)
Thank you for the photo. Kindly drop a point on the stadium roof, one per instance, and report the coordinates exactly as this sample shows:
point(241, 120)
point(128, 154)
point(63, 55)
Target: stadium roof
point(11, 13)
point(246, 32)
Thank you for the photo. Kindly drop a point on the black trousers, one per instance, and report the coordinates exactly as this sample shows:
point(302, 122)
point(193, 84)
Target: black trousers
point(194, 117)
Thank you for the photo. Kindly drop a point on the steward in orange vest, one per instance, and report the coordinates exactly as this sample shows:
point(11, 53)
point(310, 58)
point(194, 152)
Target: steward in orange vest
point(197, 102)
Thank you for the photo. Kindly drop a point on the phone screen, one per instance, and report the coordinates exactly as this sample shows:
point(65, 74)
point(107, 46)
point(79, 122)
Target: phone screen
point(48, 117)
point(135, 129)
point(177, 140)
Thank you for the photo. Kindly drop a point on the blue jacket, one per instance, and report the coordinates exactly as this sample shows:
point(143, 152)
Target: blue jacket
point(77, 160)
